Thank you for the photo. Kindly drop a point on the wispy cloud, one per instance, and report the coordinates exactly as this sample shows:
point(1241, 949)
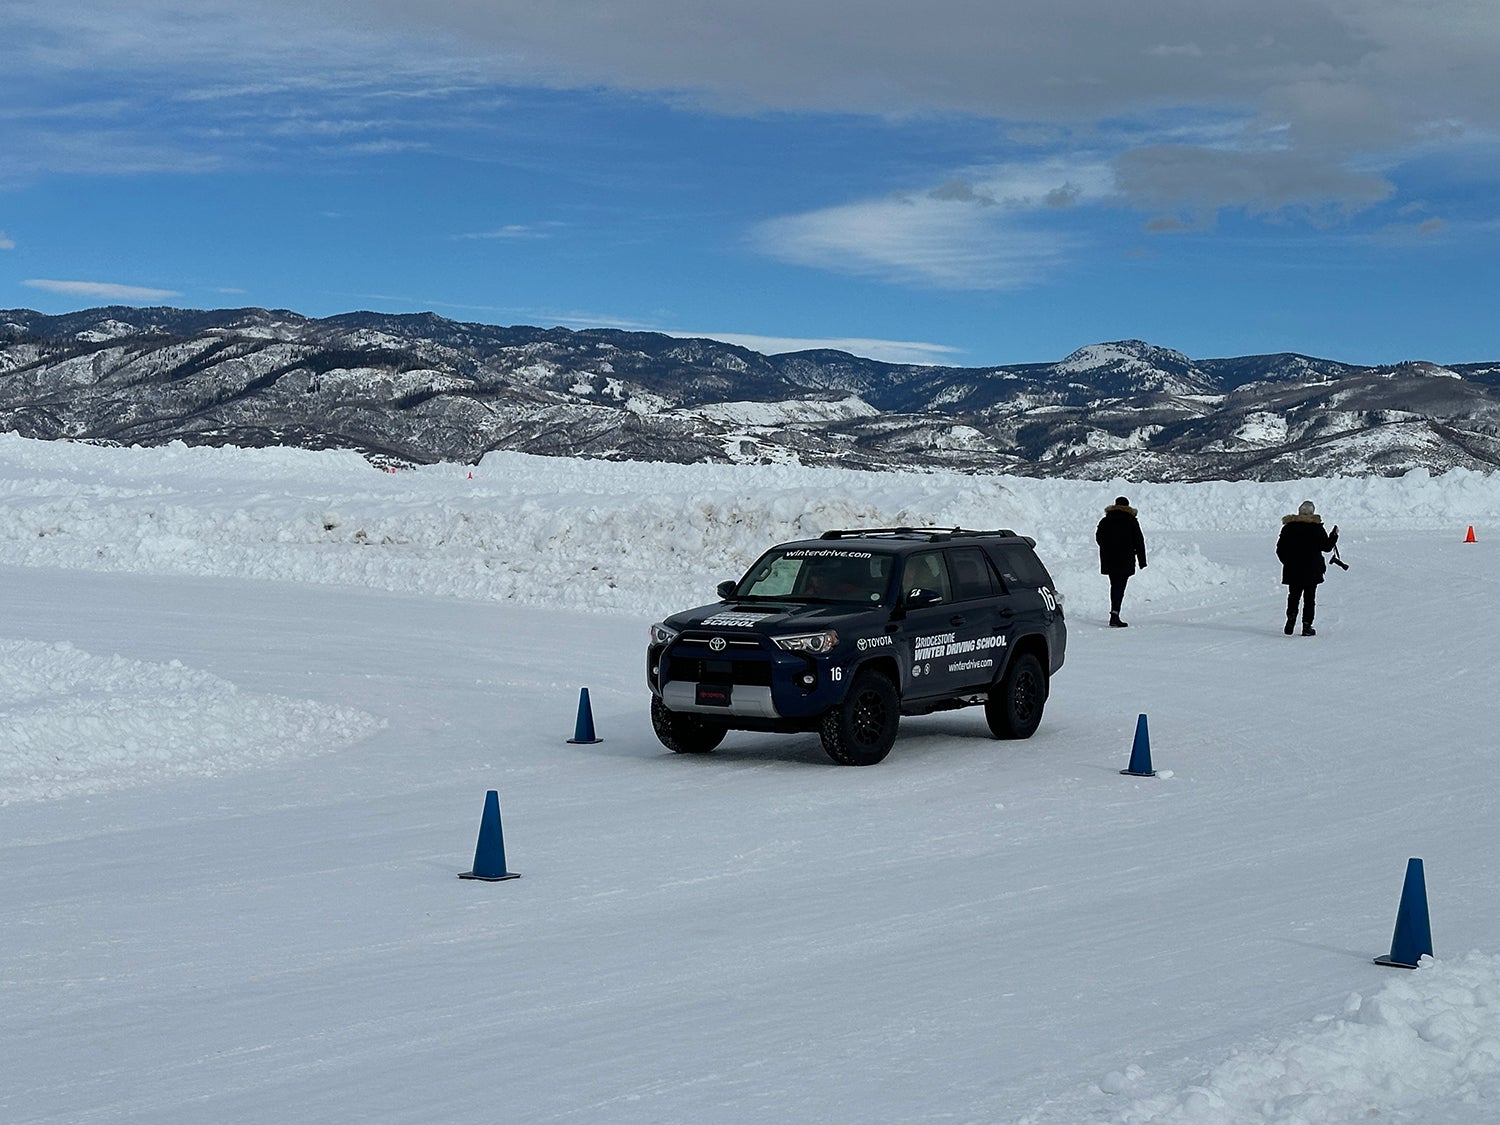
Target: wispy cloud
point(100, 290)
point(979, 229)
point(6, 242)
point(511, 231)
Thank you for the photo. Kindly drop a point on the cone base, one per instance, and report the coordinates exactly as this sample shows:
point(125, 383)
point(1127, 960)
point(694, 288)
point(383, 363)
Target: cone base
point(490, 878)
point(584, 741)
point(1139, 773)
point(1392, 963)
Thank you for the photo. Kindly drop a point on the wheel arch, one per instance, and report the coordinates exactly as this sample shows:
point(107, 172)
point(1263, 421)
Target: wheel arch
point(1036, 645)
point(885, 664)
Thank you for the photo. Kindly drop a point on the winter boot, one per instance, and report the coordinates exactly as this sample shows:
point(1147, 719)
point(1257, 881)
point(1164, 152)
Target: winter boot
point(1116, 623)
point(1308, 630)
point(1291, 621)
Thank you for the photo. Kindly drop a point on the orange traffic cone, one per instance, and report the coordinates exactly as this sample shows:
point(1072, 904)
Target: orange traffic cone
point(1469, 538)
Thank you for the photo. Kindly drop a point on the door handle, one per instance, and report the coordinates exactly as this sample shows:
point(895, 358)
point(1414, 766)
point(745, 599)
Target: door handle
point(956, 619)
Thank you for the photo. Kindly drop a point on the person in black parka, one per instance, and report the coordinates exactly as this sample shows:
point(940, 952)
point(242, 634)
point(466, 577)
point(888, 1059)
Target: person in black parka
point(1121, 546)
point(1301, 547)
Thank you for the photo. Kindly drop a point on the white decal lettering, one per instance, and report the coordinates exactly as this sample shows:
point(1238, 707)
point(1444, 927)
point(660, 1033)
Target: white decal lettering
point(732, 619)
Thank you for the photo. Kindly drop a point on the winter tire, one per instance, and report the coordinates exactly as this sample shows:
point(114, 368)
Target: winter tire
point(1014, 709)
point(860, 730)
point(683, 733)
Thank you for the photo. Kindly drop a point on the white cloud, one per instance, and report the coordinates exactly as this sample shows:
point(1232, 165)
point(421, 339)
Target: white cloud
point(975, 230)
point(509, 231)
point(904, 241)
point(101, 290)
point(6, 242)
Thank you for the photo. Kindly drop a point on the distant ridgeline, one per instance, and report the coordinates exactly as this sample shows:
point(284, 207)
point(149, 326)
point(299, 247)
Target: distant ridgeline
point(422, 389)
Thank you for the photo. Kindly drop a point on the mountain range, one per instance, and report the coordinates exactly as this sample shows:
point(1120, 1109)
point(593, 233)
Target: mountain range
point(420, 388)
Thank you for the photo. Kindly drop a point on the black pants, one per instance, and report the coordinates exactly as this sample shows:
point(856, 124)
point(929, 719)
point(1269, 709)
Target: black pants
point(1309, 597)
point(1117, 591)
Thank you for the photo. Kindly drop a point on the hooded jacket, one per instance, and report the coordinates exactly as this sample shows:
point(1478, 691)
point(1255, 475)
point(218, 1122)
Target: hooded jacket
point(1300, 548)
point(1121, 543)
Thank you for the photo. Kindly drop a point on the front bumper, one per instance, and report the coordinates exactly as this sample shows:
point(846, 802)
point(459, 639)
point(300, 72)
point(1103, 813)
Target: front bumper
point(765, 684)
point(747, 701)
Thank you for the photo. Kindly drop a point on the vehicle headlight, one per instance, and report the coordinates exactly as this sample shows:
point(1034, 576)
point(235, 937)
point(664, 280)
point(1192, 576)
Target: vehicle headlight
point(661, 635)
point(815, 643)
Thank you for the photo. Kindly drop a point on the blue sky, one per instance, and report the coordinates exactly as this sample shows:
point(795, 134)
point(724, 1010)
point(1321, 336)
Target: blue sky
point(957, 182)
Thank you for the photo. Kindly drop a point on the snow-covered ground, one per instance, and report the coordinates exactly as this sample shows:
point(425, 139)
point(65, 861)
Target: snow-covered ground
point(251, 701)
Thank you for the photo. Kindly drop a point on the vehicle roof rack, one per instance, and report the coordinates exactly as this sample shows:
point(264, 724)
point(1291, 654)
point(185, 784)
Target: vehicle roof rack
point(924, 534)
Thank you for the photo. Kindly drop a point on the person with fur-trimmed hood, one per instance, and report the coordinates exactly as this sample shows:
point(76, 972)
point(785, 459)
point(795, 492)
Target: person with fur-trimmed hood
point(1121, 545)
point(1301, 547)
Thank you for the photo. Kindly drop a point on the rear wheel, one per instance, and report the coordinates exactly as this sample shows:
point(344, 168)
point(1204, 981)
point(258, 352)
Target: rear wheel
point(684, 733)
point(861, 730)
point(1014, 708)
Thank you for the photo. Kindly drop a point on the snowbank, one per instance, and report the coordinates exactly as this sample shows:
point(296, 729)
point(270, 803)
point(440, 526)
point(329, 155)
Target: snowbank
point(72, 722)
point(619, 537)
point(1427, 1043)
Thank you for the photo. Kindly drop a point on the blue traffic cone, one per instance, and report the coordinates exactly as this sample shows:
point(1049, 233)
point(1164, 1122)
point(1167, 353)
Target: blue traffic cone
point(583, 730)
point(1413, 937)
point(489, 854)
point(1140, 752)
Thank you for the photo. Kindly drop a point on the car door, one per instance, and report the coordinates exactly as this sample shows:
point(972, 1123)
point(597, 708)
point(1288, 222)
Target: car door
point(948, 642)
point(980, 622)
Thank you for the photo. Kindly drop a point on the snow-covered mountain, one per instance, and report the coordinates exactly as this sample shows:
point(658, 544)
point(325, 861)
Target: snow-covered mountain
point(420, 388)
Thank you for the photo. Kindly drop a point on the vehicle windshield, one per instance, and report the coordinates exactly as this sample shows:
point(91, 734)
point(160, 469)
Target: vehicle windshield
point(817, 575)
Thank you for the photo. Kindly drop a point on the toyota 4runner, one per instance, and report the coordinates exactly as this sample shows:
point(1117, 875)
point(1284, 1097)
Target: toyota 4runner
point(846, 633)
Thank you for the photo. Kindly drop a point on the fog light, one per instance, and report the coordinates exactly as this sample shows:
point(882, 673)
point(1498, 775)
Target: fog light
point(809, 680)
point(656, 669)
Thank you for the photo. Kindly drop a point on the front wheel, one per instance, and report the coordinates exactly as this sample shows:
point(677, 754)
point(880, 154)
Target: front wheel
point(861, 730)
point(1014, 708)
point(683, 733)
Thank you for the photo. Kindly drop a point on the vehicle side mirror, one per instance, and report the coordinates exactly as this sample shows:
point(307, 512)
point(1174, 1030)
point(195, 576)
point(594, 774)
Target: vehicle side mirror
point(918, 598)
point(726, 589)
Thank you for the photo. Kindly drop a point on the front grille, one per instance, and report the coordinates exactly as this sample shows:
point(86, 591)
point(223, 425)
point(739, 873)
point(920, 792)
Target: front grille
point(752, 672)
point(704, 640)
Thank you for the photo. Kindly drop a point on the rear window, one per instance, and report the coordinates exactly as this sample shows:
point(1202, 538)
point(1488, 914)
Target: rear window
point(971, 574)
point(1018, 565)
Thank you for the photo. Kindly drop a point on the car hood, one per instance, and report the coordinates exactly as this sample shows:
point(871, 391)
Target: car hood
point(771, 617)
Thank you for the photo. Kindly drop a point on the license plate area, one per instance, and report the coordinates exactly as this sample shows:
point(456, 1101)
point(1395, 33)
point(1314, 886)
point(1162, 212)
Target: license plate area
point(712, 695)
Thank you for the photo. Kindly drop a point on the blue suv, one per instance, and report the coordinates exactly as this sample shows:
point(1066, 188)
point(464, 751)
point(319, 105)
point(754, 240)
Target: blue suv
point(846, 633)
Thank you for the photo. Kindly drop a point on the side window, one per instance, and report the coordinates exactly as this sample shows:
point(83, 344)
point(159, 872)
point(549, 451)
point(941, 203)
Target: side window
point(1019, 566)
point(927, 572)
point(970, 573)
